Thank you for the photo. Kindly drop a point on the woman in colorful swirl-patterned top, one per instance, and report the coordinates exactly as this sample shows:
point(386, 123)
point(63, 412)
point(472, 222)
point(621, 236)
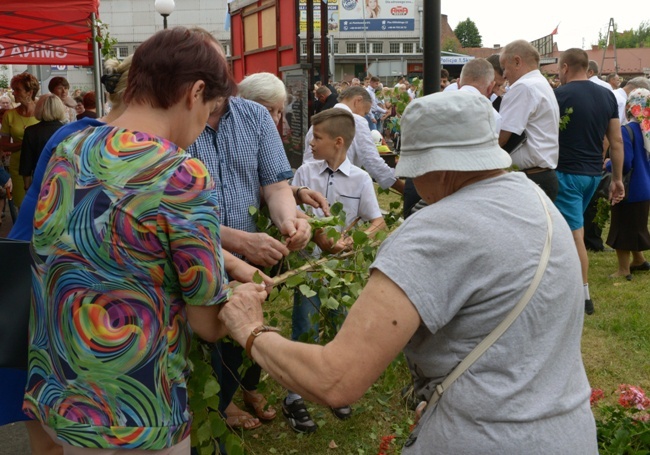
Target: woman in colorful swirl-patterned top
point(129, 261)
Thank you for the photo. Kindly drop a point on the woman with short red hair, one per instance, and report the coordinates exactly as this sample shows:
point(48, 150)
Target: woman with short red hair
point(129, 260)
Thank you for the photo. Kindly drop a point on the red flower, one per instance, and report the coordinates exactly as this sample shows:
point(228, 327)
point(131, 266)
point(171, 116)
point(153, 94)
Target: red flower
point(596, 396)
point(385, 444)
point(632, 397)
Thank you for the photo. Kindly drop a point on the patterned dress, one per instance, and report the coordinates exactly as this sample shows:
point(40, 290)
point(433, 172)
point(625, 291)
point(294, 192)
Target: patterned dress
point(125, 235)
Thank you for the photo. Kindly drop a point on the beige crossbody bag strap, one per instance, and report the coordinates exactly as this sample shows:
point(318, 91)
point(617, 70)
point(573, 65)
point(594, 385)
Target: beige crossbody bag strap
point(503, 326)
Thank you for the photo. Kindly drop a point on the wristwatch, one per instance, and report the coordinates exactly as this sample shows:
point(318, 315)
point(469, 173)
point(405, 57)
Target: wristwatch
point(257, 331)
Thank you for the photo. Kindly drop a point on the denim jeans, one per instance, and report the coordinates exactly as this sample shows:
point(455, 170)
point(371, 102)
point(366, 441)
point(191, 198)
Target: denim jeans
point(303, 318)
point(371, 124)
point(304, 310)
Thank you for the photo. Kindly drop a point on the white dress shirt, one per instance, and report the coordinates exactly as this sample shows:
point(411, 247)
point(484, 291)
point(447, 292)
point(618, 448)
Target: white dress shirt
point(362, 152)
point(349, 185)
point(530, 105)
point(599, 81)
point(621, 101)
point(375, 108)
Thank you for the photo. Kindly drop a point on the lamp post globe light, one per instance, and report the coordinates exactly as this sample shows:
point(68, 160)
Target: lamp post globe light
point(164, 8)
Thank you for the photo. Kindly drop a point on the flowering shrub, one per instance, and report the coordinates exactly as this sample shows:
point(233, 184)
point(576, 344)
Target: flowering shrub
point(623, 428)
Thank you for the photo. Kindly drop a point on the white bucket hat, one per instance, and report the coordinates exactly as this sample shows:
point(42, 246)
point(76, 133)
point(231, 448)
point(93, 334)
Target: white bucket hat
point(449, 131)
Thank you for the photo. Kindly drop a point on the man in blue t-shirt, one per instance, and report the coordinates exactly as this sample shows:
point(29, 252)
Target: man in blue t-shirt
point(594, 116)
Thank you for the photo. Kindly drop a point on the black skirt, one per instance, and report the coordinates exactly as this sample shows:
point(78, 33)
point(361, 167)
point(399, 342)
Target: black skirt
point(629, 227)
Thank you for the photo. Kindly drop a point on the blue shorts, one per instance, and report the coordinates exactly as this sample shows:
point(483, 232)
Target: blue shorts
point(575, 192)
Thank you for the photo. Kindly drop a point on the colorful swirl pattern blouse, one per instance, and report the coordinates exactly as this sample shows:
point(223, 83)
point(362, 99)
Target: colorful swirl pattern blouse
point(125, 235)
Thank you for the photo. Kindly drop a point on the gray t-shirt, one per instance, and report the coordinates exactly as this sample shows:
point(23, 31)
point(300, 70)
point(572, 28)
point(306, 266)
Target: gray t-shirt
point(464, 262)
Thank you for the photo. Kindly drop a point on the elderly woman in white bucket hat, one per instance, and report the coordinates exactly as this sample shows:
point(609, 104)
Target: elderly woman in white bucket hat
point(490, 261)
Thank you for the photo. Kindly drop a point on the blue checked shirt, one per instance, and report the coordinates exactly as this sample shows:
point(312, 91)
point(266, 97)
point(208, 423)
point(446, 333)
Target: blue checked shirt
point(244, 154)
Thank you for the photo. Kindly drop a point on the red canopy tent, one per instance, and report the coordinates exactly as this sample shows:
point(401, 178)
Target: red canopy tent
point(50, 32)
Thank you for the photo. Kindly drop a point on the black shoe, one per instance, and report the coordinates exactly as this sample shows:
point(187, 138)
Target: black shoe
point(298, 416)
point(343, 413)
point(641, 267)
point(589, 306)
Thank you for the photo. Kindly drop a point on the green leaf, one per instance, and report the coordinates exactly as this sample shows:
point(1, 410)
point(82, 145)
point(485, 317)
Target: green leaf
point(323, 293)
point(359, 237)
point(336, 208)
point(331, 303)
point(211, 387)
point(252, 210)
point(204, 432)
point(233, 445)
point(306, 291)
point(218, 425)
point(257, 277)
point(295, 280)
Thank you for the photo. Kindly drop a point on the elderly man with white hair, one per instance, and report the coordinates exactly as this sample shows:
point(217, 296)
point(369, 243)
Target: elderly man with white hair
point(477, 76)
point(490, 256)
point(529, 110)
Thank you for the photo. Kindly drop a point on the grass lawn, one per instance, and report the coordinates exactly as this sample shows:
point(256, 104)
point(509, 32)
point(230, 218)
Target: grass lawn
point(615, 348)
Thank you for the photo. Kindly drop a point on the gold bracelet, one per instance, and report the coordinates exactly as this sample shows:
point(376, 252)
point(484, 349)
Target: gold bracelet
point(257, 331)
point(298, 192)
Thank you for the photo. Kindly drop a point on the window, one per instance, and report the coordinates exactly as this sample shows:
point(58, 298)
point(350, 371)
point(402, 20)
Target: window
point(362, 48)
point(377, 48)
point(317, 47)
point(351, 48)
point(226, 48)
point(122, 52)
point(336, 47)
point(303, 48)
point(394, 48)
point(407, 48)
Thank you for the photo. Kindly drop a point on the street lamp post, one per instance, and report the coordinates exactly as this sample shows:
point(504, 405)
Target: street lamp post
point(164, 8)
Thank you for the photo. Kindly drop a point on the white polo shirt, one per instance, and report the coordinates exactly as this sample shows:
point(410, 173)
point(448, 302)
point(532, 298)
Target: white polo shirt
point(497, 116)
point(621, 101)
point(530, 106)
point(451, 87)
point(599, 81)
point(362, 153)
point(349, 185)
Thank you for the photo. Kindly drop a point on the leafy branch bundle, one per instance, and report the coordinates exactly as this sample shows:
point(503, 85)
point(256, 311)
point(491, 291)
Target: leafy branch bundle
point(336, 279)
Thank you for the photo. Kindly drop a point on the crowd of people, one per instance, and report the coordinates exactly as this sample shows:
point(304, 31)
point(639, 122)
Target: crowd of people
point(139, 221)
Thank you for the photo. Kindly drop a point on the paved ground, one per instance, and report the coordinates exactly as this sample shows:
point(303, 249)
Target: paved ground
point(13, 440)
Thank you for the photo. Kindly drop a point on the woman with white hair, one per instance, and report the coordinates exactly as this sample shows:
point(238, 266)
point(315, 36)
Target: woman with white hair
point(628, 233)
point(437, 289)
point(51, 113)
point(266, 89)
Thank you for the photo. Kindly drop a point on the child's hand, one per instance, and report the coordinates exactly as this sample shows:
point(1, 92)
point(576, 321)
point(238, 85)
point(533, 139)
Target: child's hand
point(313, 198)
point(343, 244)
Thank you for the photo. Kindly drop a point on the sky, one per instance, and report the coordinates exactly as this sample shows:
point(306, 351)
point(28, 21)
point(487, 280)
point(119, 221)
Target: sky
point(580, 20)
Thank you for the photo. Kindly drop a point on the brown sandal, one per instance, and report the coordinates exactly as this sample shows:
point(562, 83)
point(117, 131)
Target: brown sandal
point(258, 404)
point(242, 420)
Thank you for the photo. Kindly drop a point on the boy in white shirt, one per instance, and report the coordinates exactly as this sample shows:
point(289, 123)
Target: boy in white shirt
point(334, 176)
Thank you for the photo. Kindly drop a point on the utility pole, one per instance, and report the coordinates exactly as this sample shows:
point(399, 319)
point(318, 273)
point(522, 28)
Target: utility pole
point(611, 36)
point(431, 53)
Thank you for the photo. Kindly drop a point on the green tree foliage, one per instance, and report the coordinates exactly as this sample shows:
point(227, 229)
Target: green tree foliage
point(450, 45)
point(628, 39)
point(467, 33)
point(4, 80)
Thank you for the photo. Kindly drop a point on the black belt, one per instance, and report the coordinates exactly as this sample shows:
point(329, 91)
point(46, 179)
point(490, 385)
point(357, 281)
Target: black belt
point(535, 170)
